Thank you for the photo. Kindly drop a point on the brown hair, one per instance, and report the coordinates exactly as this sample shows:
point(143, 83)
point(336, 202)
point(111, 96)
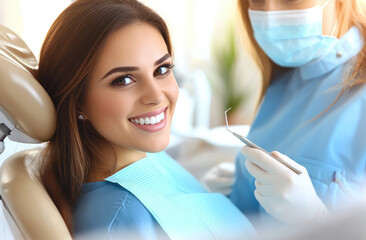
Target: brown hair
point(349, 13)
point(67, 58)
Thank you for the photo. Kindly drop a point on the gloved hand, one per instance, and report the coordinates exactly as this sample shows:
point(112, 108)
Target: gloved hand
point(220, 178)
point(289, 197)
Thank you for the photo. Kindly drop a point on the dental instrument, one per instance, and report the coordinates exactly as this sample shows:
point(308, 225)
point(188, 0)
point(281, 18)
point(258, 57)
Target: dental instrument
point(251, 144)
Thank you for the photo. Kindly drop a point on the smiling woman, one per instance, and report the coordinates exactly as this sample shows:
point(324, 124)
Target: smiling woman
point(115, 93)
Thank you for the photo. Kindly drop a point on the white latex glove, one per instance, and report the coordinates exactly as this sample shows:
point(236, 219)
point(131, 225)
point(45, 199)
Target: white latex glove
point(289, 197)
point(220, 178)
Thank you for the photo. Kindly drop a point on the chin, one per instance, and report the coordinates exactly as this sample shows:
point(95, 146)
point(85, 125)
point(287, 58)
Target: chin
point(157, 146)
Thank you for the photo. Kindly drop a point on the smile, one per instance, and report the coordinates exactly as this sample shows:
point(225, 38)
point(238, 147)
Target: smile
point(149, 120)
point(152, 121)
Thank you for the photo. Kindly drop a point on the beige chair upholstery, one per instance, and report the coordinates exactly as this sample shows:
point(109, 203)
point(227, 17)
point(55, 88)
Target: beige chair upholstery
point(31, 211)
point(27, 115)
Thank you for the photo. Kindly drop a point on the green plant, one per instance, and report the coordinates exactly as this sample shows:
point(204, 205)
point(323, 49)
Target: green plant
point(226, 58)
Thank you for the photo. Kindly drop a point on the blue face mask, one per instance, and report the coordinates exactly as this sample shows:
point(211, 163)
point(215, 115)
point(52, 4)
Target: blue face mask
point(291, 38)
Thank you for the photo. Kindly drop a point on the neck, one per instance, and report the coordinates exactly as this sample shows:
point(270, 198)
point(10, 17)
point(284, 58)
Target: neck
point(126, 156)
point(330, 19)
point(119, 159)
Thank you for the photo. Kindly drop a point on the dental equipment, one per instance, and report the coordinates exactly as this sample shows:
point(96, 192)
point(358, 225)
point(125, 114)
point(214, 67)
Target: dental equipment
point(251, 144)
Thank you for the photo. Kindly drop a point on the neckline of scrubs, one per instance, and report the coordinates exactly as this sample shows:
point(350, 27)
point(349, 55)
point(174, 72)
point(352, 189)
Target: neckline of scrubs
point(348, 46)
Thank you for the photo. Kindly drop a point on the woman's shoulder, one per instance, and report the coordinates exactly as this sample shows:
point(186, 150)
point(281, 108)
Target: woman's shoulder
point(108, 207)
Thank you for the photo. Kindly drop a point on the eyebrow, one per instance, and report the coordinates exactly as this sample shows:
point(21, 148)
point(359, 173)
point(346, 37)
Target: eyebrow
point(162, 59)
point(131, 69)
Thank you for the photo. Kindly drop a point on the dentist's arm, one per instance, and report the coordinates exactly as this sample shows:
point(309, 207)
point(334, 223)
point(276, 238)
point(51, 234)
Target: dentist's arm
point(289, 197)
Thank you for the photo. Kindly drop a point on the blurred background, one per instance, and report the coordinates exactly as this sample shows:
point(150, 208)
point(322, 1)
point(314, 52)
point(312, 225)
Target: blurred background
point(213, 73)
point(212, 70)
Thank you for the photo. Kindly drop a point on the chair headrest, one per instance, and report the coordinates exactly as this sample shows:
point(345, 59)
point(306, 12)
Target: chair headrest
point(27, 113)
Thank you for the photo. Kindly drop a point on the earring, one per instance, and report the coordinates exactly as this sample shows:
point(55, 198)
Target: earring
point(81, 117)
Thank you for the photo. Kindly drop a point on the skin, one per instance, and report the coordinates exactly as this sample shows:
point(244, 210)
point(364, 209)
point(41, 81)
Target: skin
point(114, 98)
point(329, 10)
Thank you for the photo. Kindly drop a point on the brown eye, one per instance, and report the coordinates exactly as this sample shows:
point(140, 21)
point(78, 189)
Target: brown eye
point(122, 81)
point(163, 69)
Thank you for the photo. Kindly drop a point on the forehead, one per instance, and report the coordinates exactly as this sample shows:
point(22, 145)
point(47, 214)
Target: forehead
point(136, 44)
point(287, 4)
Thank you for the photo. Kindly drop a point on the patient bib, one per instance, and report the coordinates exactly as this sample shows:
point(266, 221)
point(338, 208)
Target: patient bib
point(178, 202)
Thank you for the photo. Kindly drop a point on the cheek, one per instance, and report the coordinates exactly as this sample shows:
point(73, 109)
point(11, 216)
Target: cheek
point(106, 106)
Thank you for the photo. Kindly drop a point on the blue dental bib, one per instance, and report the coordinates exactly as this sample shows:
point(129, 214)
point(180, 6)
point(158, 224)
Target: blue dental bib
point(179, 203)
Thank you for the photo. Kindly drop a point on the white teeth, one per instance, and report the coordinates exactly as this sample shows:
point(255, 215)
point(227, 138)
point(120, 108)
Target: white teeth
point(153, 120)
point(149, 120)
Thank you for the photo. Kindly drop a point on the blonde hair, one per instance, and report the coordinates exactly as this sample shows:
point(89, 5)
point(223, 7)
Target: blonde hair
point(349, 13)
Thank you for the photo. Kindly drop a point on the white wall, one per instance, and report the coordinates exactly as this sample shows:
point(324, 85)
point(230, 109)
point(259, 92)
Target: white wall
point(31, 19)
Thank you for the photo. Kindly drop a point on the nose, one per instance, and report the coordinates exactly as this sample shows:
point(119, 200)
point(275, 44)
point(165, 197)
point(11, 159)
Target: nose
point(270, 6)
point(152, 92)
point(266, 5)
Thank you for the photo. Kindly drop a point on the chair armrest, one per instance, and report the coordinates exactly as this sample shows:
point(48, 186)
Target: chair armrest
point(27, 200)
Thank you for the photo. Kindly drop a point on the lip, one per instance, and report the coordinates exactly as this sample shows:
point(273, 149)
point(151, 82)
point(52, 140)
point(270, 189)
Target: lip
point(150, 114)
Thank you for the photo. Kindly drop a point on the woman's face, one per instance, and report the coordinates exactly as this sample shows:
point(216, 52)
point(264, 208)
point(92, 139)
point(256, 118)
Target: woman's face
point(133, 92)
point(329, 11)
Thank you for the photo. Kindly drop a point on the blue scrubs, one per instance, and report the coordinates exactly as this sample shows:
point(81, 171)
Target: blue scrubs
point(155, 198)
point(331, 147)
point(105, 210)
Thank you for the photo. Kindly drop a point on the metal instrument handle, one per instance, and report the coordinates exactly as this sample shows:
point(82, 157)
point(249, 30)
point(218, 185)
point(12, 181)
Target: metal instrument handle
point(251, 144)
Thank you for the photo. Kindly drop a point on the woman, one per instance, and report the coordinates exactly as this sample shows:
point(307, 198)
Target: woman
point(107, 65)
point(313, 59)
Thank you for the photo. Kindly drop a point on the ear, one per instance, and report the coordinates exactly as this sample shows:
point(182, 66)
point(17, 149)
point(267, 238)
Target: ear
point(80, 114)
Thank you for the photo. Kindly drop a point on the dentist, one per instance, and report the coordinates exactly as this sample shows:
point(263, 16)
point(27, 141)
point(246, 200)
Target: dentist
point(313, 62)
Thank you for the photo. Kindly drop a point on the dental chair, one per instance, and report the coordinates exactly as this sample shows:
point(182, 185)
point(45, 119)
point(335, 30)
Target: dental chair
point(27, 115)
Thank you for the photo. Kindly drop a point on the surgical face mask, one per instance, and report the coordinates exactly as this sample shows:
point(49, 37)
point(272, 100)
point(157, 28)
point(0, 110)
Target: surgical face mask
point(291, 38)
